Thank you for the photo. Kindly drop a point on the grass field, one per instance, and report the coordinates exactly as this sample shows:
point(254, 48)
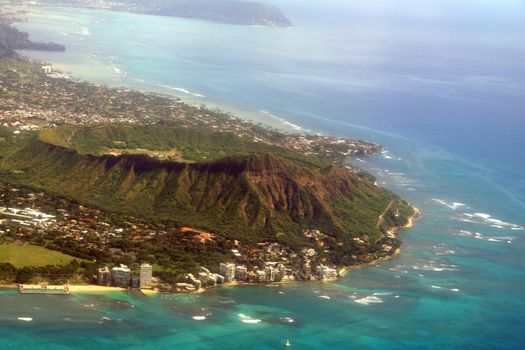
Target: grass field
point(21, 255)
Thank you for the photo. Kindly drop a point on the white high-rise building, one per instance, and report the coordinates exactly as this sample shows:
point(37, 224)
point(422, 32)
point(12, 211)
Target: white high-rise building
point(227, 270)
point(207, 278)
point(146, 271)
point(104, 276)
point(270, 273)
point(261, 276)
point(241, 273)
point(282, 271)
point(326, 272)
point(120, 276)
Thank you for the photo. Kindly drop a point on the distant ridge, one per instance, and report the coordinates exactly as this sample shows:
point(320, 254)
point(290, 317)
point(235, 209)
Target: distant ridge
point(224, 11)
point(227, 11)
point(12, 39)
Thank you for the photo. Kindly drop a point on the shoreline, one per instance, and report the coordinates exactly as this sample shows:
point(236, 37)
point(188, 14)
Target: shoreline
point(75, 288)
point(192, 98)
point(412, 218)
point(90, 288)
point(341, 271)
point(282, 127)
point(93, 288)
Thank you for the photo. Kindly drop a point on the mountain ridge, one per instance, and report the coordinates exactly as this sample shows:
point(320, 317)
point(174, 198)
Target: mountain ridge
point(253, 196)
point(223, 11)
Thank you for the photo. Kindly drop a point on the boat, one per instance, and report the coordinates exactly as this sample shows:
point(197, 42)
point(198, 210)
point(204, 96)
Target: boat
point(287, 343)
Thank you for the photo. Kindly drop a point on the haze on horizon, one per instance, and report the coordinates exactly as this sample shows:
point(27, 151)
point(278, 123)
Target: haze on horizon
point(447, 64)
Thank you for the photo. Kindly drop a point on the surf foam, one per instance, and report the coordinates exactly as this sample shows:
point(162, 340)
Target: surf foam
point(369, 300)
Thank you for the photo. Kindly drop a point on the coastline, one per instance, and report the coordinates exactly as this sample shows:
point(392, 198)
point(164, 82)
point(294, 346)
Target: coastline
point(75, 288)
point(93, 288)
point(412, 218)
point(118, 80)
point(148, 292)
point(341, 271)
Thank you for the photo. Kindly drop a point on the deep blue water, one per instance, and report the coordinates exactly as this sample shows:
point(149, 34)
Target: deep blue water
point(439, 83)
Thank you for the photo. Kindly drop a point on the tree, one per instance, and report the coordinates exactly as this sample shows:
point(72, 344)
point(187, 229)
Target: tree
point(24, 275)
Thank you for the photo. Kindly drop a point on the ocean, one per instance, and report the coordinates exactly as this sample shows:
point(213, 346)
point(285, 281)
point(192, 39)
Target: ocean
point(440, 84)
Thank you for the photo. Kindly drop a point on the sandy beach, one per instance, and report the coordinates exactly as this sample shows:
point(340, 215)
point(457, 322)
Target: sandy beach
point(93, 288)
point(412, 218)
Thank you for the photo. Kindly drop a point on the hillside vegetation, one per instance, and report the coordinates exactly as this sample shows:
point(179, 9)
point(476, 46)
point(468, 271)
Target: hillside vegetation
point(228, 185)
point(190, 145)
point(228, 11)
point(225, 11)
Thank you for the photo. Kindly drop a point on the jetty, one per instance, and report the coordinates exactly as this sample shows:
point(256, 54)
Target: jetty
point(43, 289)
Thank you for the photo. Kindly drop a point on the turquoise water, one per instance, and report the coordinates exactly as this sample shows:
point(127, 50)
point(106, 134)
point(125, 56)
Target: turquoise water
point(440, 84)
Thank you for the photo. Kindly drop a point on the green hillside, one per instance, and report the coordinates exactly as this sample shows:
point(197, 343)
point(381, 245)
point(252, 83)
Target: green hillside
point(190, 145)
point(226, 11)
point(241, 189)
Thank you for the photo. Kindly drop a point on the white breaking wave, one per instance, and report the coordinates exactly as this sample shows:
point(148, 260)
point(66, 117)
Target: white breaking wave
point(446, 252)
point(84, 31)
point(251, 321)
point(481, 237)
point(183, 90)
point(369, 300)
point(487, 219)
point(324, 297)
point(452, 205)
point(386, 155)
point(287, 319)
point(444, 249)
point(25, 319)
point(176, 89)
point(199, 318)
point(440, 268)
point(248, 319)
point(284, 121)
point(455, 290)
